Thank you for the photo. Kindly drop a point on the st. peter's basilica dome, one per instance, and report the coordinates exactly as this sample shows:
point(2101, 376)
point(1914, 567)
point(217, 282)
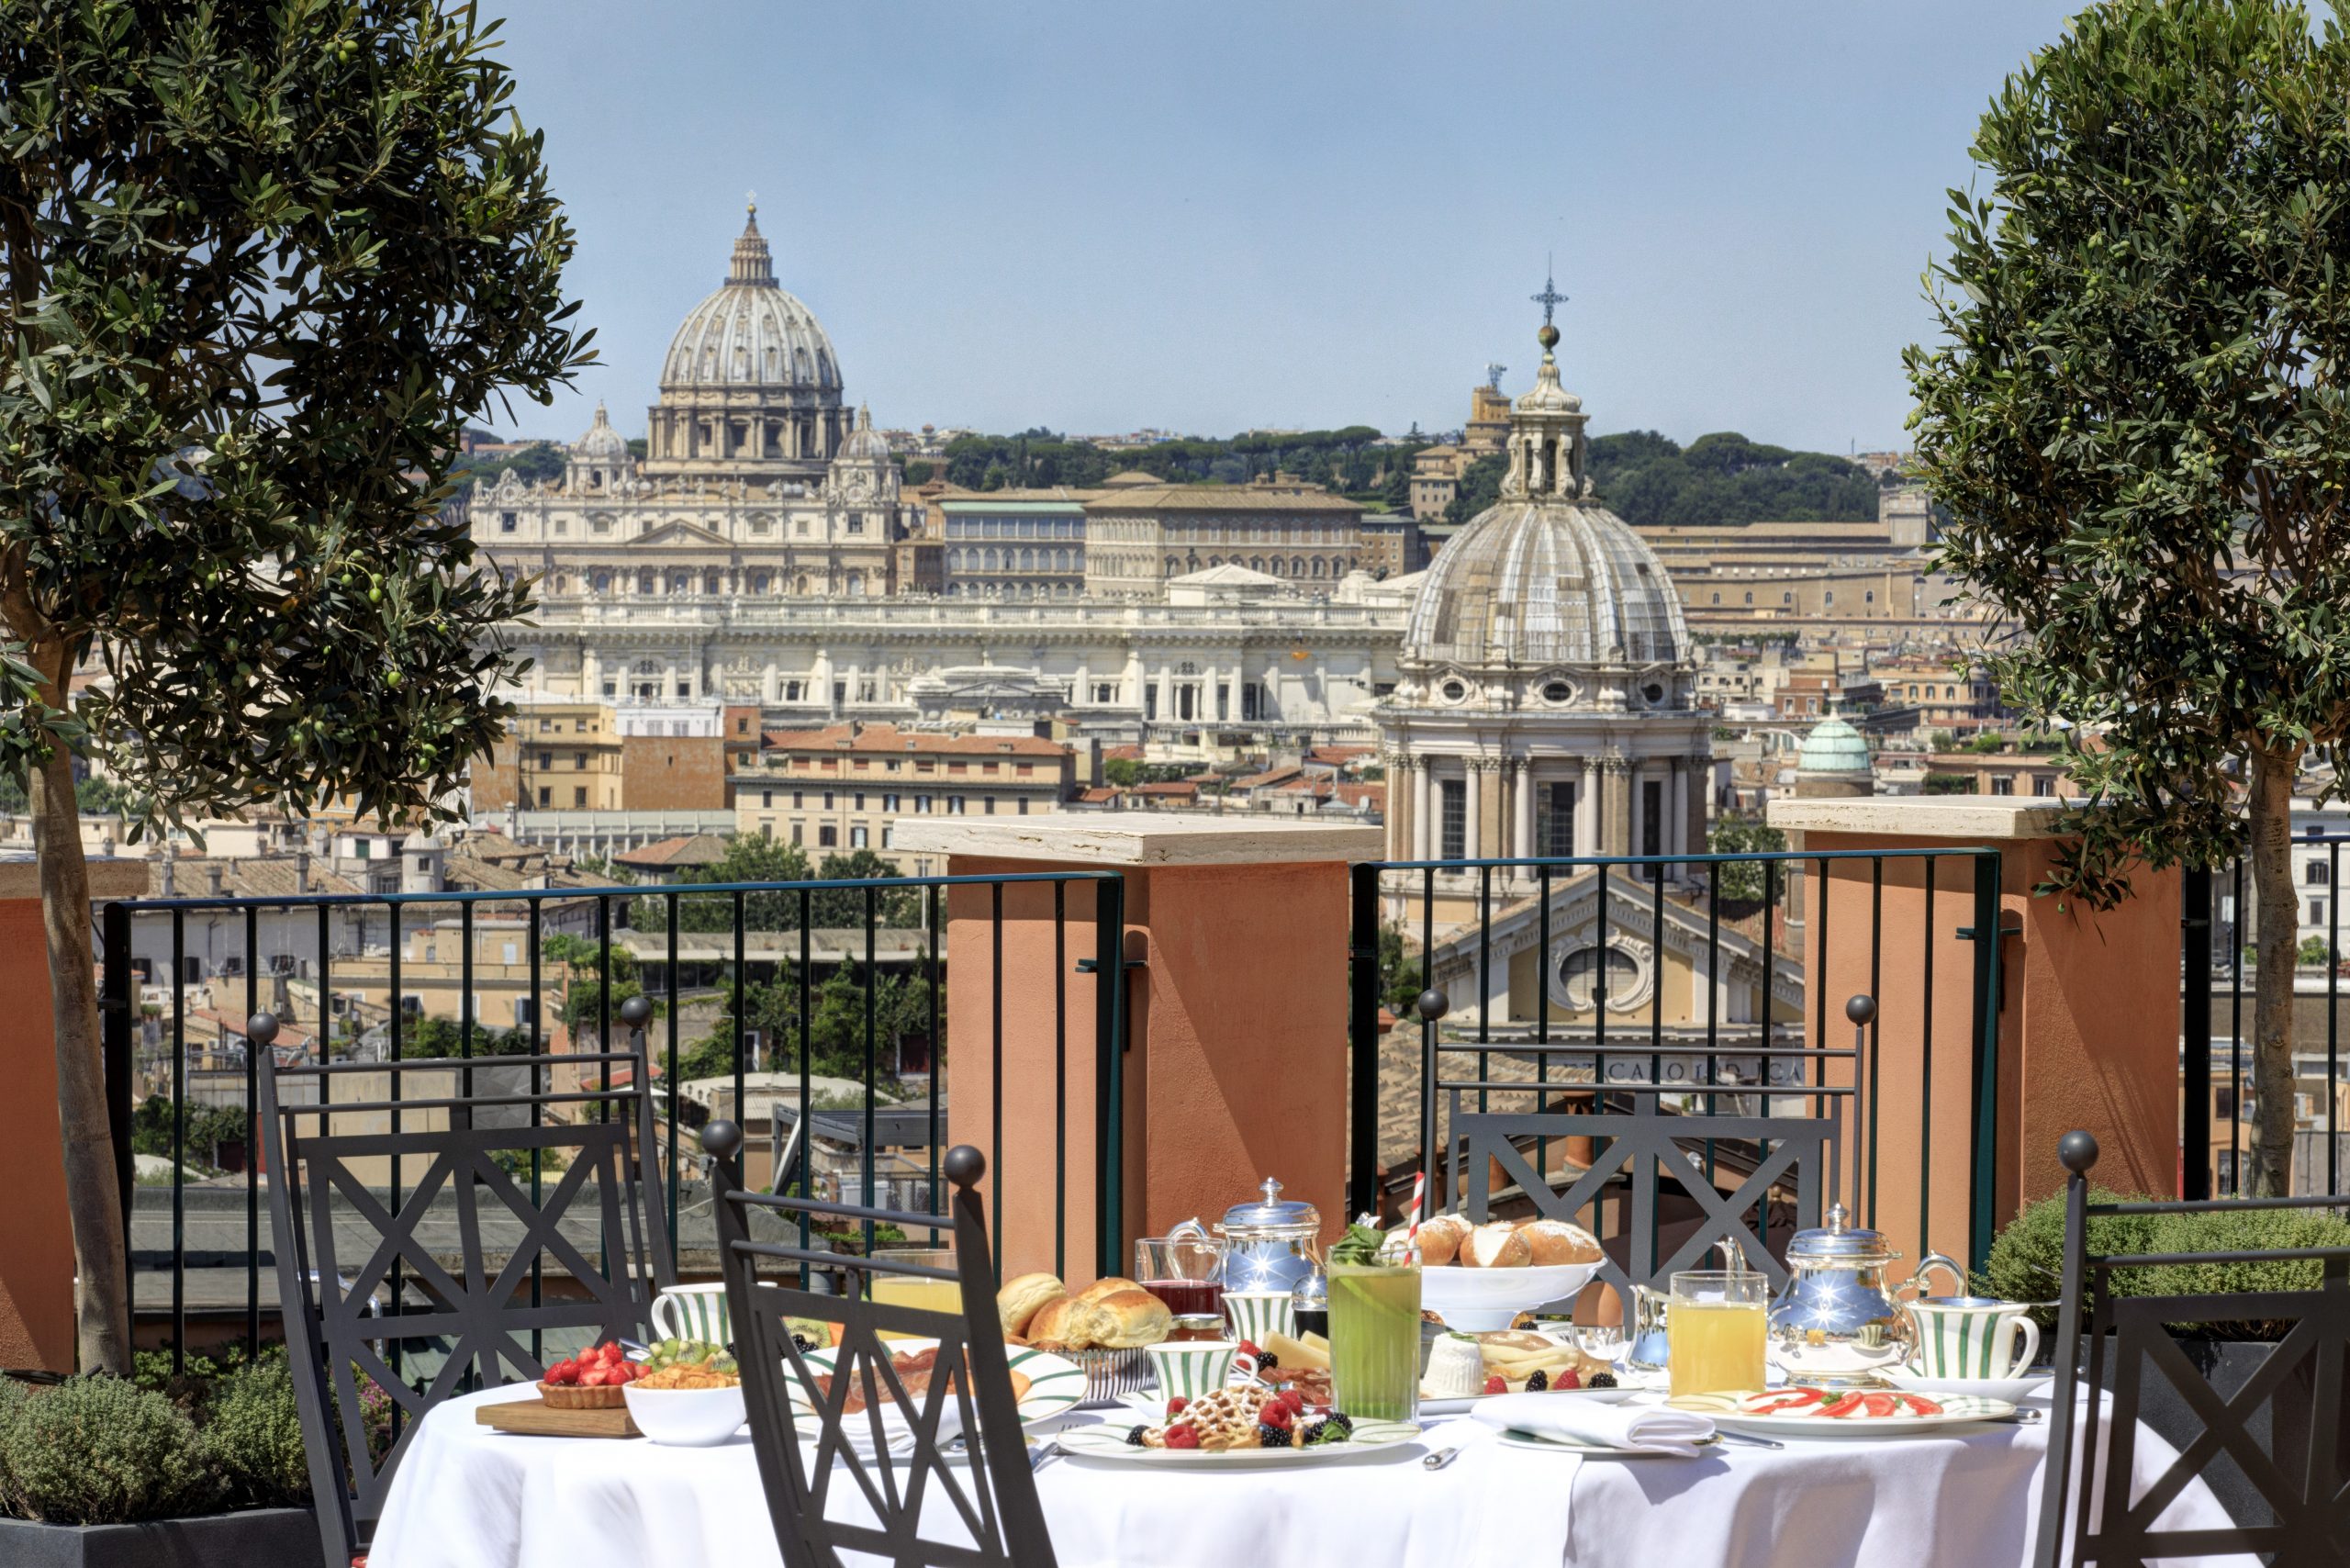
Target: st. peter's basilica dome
point(752, 333)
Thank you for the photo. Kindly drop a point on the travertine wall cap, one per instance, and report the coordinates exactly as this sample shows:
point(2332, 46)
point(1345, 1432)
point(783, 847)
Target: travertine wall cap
point(123, 878)
point(1139, 838)
point(1981, 818)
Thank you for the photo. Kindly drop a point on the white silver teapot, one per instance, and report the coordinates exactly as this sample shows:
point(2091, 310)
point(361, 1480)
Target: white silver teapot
point(1839, 1323)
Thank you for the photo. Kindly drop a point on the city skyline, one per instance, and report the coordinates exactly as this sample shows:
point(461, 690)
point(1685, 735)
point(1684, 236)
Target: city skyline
point(1071, 218)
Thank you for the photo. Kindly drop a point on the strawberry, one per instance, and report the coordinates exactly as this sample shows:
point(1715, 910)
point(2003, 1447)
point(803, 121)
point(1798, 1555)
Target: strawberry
point(1178, 1404)
point(1497, 1384)
point(1184, 1437)
point(610, 1350)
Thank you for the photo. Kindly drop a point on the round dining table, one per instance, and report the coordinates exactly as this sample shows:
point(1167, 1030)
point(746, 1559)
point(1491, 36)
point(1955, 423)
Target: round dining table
point(469, 1496)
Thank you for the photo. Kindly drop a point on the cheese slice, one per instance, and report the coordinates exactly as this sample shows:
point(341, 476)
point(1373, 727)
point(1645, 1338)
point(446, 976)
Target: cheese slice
point(1298, 1353)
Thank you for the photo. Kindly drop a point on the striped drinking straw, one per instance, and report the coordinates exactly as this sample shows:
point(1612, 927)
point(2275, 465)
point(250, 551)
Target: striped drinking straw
point(1419, 1193)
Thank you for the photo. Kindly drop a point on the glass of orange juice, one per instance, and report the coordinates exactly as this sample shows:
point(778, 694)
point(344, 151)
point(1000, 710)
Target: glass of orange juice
point(1715, 1328)
point(928, 1296)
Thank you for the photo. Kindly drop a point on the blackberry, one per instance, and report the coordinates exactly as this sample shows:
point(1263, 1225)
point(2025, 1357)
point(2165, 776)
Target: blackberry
point(1537, 1381)
point(1600, 1380)
point(1336, 1428)
point(800, 1342)
point(1266, 1362)
point(1134, 1437)
point(1272, 1436)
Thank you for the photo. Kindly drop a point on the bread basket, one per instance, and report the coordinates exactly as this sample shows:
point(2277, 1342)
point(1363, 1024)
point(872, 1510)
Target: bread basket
point(1110, 1373)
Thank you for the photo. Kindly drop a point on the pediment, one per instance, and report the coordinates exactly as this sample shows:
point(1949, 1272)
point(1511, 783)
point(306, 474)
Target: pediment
point(677, 531)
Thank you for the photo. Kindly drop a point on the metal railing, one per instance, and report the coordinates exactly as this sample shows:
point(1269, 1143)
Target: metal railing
point(359, 974)
point(1561, 1051)
point(2219, 929)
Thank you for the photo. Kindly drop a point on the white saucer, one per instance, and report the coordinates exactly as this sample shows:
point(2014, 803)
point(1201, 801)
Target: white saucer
point(2014, 1389)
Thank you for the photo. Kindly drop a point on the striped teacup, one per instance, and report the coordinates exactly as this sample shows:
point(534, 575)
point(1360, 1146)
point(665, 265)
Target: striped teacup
point(1257, 1316)
point(1193, 1367)
point(693, 1312)
point(1972, 1337)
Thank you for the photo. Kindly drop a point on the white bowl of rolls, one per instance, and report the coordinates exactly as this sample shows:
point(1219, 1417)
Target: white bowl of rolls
point(1477, 1278)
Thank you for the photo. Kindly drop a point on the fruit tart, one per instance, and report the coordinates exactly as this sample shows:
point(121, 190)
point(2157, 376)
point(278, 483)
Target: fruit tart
point(590, 1381)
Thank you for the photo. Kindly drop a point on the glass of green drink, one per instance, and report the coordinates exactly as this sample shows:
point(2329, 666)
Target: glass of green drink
point(1375, 1338)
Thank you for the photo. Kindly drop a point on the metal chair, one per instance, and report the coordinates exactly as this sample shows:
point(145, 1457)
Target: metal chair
point(803, 1434)
point(2299, 1483)
point(360, 1289)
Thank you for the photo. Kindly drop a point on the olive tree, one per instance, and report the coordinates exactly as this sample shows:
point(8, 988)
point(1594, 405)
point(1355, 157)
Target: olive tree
point(262, 261)
point(2137, 418)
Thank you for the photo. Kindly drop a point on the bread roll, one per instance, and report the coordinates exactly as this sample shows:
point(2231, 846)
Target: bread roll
point(1554, 1241)
point(1125, 1320)
point(1017, 1302)
point(1064, 1321)
point(1497, 1246)
point(1440, 1239)
point(1101, 1288)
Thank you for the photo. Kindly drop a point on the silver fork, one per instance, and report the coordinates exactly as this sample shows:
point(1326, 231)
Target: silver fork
point(1044, 1456)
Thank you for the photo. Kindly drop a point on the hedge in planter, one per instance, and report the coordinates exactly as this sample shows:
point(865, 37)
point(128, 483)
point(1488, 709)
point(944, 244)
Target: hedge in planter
point(99, 1451)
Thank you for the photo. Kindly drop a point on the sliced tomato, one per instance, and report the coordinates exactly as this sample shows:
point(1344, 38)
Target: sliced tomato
point(1845, 1405)
point(1784, 1402)
point(1920, 1404)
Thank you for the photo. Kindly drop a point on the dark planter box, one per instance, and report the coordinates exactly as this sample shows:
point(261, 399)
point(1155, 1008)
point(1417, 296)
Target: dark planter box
point(259, 1538)
point(2280, 1426)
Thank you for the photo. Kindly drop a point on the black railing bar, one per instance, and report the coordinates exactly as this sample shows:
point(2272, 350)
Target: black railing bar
point(2235, 1034)
point(538, 1118)
point(847, 1260)
point(1437, 1193)
point(1640, 1086)
point(1709, 859)
point(1486, 963)
point(805, 1044)
point(1770, 996)
point(930, 984)
point(2332, 1016)
point(465, 998)
point(1926, 1079)
point(179, 1138)
point(872, 1058)
point(1819, 980)
point(2173, 1259)
point(580, 1096)
point(548, 1058)
point(253, 1143)
point(1822, 1053)
point(544, 895)
point(1060, 1082)
point(1714, 994)
point(2223, 1205)
point(1876, 1021)
point(995, 1092)
point(392, 1029)
point(741, 1097)
point(670, 993)
point(899, 1217)
point(1542, 1001)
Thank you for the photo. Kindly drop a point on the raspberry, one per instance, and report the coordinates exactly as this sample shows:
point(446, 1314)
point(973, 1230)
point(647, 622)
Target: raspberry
point(1134, 1437)
point(1248, 1348)
point(1178, 1404)
point(1537, 1379)
point(1497, 1384)
point(1275, 1414)
point(1601, 1380)
point(1569, 1379)
point(1294, 1400)
point(1272, 1436)
point(1184, 1437)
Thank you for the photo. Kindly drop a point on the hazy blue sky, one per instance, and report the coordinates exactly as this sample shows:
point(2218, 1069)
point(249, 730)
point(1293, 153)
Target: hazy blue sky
point(1095, 215)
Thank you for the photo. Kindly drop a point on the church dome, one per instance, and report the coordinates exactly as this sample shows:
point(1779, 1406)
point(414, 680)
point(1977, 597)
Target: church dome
point(601, 443)
point(1547, 576)
point(1833, 747)
point(751, 332)
point(864, 443)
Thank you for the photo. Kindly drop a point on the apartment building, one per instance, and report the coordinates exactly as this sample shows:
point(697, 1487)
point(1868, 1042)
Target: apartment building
point(837, 789)
point(555, 756)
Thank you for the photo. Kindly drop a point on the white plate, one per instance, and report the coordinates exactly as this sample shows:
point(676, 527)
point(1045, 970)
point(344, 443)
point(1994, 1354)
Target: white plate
point(2014, 1389)
point(1459, 1404)
point(1107, 1441)
point(1956, 1413)
point(1594, 1451)
point(1054, 1384)
point(1480, 1301)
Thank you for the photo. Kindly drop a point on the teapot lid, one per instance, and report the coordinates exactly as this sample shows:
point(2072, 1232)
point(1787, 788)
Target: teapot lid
point(1270, 1212)
point(1839, 1242)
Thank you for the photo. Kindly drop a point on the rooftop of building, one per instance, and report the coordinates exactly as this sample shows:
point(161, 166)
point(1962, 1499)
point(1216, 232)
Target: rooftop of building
point(880, 738)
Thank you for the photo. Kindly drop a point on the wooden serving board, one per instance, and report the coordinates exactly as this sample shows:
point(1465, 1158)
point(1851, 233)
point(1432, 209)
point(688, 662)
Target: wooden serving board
point(530, 1418)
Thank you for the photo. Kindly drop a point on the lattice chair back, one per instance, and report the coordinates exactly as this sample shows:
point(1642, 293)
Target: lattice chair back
point(414, 1261)
point(1645, 1147)
point(854, 1437)
point(2283, 1431)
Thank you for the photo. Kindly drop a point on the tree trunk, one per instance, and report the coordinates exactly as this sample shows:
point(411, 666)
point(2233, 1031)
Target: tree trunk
point(2279, 925)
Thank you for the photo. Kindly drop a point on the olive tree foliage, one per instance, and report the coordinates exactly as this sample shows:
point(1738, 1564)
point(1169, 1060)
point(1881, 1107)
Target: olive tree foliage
point(2137, 418)
point(263, 260)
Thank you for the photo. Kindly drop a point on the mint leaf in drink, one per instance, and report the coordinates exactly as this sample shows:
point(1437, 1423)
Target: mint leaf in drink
point(1359, 1246)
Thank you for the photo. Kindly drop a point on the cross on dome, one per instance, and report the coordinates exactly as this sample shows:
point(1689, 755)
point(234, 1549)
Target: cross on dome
point(1550, 298)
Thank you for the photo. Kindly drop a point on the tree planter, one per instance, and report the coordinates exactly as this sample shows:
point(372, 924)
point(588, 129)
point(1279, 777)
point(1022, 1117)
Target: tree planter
point(259, 1537)
point(2280, 1426)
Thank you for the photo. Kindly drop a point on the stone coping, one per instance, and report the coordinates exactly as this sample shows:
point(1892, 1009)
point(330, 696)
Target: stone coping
point(122, 879)
point(1980, 819)
point(1139, 839)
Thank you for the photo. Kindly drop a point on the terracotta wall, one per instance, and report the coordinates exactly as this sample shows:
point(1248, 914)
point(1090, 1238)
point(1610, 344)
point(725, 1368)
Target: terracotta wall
point(36, 1236)
point(673, 773)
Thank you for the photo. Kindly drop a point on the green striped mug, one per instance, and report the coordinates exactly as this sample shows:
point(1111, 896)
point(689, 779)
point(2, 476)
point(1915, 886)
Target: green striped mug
point(1193, 1367)
point(1972, 1337)
point(693, 1312)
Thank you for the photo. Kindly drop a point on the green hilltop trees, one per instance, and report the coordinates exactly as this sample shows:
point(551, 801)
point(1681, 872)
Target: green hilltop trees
point(262, 265)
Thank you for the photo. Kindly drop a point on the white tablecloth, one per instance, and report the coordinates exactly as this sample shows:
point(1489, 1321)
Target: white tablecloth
point(467, 1497)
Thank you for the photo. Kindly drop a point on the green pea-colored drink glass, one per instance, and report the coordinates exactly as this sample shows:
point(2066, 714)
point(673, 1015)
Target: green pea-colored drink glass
point(1375, 1340)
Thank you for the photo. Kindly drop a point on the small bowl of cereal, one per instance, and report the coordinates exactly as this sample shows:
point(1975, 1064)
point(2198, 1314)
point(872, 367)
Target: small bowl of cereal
point(690, 1396)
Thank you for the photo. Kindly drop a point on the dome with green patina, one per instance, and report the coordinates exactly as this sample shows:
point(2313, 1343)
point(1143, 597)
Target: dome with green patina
point(1833, 747)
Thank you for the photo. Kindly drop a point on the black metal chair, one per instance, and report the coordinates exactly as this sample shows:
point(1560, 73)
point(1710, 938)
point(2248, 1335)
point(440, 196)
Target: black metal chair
point(803, 1437)
point(381, 1324)
point(2291, 1471)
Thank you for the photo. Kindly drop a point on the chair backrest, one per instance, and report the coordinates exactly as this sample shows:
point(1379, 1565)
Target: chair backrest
point(2290, 1465)
point(412, 1252)
point(1646, 1148)
point(898, 1494)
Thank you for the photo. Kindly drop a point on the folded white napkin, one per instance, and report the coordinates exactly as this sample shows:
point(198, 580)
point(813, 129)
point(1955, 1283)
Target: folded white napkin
point(1648, 1429)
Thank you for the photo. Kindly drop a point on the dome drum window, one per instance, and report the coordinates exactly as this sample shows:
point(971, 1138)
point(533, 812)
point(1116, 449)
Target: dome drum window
point(1454, 691)
point(1558, 693)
